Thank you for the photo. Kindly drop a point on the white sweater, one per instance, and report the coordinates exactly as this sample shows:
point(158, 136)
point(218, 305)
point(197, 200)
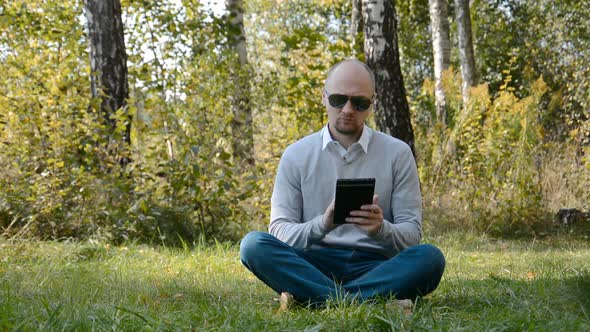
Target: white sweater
point(306, 182)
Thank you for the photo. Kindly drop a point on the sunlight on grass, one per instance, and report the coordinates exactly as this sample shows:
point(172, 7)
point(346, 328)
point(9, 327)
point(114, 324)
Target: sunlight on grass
point(489, 284)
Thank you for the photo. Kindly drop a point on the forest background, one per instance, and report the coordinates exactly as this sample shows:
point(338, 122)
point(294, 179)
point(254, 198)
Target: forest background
point(167, 167)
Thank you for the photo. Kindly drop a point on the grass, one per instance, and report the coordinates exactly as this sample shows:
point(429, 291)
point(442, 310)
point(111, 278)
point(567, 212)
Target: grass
point(489, 285)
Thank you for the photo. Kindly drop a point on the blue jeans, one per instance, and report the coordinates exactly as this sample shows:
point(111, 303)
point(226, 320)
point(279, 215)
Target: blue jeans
point(315, 275)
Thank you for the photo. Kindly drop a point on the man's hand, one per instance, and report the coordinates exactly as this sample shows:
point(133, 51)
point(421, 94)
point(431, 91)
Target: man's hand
point(329, 218)
point(369, 217)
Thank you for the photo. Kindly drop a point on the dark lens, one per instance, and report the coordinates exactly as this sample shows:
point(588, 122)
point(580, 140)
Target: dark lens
point(361, 103)
point(337, 101)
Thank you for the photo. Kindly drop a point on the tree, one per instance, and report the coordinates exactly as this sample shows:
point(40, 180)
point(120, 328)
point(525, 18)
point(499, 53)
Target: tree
point(415, 45)
point(441, 47)
point(357, 27)
point(243, 140)
point(468, 72)
point(538, 38)
point(108, 62)
point(392, 113)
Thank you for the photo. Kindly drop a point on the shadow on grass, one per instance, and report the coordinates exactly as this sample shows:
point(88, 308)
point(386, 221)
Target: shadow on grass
point(541, 297)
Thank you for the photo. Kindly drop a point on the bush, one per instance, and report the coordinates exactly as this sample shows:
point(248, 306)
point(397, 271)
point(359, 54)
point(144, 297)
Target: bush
point(487, 170)
point(63, 174)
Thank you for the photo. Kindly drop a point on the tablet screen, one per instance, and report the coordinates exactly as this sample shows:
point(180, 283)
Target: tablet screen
point(350, 195)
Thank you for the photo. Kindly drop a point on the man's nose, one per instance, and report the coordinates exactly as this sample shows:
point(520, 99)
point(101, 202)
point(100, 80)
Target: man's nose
point(348, 108)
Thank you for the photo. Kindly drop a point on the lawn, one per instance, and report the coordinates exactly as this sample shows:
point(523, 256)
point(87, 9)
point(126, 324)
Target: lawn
point(499, 285)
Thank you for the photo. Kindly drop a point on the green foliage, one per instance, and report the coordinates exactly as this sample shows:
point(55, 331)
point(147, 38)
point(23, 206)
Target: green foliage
point(490, 168)
point(62, 175)
point(291, 44)
point(301, 39)
point(537, 38)
point(548, 39)
point(45, 117)
point(63, 178)
point(488, 159)
point(415, 45)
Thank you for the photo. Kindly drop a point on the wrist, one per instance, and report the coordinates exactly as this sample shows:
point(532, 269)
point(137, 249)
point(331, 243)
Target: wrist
point(379, 230)
point(324, 224)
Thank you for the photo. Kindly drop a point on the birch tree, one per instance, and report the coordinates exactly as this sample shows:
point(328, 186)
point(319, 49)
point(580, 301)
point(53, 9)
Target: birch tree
point(468, 73)
point(392, 113)
point(357, 27)
point(108, 61)
point(243, 140)
point(441, 47)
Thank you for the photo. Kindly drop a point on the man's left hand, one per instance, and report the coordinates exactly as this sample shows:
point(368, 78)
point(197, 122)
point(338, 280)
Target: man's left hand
point(369, 217)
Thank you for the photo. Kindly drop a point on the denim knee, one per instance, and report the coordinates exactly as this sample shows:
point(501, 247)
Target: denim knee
point(435, 256)
point(249, 246)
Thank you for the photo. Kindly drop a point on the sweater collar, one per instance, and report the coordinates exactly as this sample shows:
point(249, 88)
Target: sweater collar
point(363, 140)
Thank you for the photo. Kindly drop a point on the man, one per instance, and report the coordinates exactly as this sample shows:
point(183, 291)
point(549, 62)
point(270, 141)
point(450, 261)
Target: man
point(376, 252)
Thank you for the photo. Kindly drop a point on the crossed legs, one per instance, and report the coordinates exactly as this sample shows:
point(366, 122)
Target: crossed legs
point(316, 275)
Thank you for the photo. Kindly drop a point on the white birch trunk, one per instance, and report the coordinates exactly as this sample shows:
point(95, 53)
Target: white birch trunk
point(466, 56)
point(441, 47)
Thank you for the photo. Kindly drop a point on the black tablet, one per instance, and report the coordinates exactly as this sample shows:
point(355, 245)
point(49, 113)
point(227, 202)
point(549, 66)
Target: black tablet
point(350, 195)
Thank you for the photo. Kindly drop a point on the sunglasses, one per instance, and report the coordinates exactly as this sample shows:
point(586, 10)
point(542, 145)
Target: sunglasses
point(359, 103)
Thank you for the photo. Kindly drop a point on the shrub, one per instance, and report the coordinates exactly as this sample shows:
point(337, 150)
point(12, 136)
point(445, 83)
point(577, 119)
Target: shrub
point(484, 171)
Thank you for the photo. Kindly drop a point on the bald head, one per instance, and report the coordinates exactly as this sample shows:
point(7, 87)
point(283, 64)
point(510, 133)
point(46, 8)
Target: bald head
point(349, 69)
point(351, 79)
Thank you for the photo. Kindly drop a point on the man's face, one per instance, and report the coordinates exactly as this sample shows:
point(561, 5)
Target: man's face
point(349, 79)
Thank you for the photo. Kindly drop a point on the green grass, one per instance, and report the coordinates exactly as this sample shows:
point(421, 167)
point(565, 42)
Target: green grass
point(489, 285)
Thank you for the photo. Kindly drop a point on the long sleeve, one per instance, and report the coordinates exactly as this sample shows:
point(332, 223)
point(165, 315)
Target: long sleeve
point(286, 210)
point(406, 206)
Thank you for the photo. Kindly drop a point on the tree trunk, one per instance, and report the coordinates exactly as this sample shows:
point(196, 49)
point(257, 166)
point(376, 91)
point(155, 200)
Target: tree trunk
point(357, 28)
point(243, 137)
point(392, 113)
point(466, 56)
point(441, 47)
point(108, 61)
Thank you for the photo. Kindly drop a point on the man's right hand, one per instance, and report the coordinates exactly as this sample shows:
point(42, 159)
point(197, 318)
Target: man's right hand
point(329, 218)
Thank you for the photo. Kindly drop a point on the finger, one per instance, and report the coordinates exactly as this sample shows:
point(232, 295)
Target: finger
point(375, 199)
point(363, 221)
point(359, 221)
point(330, 208)
point(362, 213)
point(369, 214)
point(372, 208)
